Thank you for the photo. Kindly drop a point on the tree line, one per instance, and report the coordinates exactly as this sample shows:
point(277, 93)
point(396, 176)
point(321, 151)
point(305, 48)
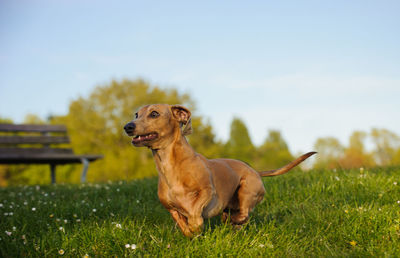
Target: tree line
point(384, 150)
point(95, 126)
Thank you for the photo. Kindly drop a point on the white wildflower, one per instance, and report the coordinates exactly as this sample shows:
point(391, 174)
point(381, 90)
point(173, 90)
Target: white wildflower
point(269, 245)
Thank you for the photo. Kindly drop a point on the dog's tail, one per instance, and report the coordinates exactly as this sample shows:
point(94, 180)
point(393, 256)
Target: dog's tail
point(287, 167)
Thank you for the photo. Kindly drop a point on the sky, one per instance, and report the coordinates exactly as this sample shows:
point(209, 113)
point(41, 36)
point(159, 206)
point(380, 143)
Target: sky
point(307, 68)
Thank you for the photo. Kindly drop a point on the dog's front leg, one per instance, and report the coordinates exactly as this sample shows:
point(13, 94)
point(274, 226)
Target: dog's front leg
point(196, 224)
point(189, 226)
point(199, 200)
point(182, 222)
point(193, 204)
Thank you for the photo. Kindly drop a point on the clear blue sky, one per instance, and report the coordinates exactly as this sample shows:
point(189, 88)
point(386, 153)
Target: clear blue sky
point(307, 68)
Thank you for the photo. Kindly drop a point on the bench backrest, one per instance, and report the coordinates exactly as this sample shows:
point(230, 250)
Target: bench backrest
point(33, 144)
point(12, 134)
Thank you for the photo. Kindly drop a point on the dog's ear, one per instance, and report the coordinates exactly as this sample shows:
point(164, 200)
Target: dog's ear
point(183, 115)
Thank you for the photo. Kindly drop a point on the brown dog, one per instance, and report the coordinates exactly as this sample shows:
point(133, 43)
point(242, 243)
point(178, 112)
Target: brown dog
point(190, 186)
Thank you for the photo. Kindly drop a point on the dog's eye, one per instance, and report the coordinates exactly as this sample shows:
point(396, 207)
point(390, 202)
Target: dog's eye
point(136, 115)
point(154, 114)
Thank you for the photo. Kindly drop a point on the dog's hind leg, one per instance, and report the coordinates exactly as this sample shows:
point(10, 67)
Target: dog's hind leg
point(250, 193)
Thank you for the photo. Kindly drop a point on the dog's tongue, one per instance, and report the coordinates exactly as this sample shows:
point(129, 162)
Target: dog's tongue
point(136, 139)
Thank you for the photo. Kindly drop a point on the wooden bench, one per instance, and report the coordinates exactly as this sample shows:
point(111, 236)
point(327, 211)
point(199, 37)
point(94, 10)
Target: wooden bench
point(35, 144)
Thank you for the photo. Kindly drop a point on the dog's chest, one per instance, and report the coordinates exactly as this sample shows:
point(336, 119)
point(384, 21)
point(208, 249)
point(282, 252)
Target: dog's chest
point(177, 197)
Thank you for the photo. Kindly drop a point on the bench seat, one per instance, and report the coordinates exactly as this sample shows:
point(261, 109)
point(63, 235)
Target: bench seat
point(35, 144)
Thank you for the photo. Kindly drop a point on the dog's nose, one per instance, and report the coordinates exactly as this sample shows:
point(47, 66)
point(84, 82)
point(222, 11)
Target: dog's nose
point(129, 127)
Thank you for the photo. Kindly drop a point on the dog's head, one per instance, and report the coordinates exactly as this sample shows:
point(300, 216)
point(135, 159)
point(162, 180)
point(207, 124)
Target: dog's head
point(156, 126)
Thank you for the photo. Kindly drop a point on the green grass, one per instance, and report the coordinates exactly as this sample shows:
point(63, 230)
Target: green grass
point(317, 213)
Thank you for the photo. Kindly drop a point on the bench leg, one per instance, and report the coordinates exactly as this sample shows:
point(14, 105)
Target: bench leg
point(53, 173)
point(85, 163)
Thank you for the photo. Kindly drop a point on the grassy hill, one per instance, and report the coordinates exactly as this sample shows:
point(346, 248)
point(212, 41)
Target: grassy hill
point(315, 213)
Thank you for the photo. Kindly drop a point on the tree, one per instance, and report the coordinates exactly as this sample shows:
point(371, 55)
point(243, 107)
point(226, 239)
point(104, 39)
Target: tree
point(239, 145)
point(355, 155)
point(33, 119)
point(387, 146)
point(203, 139)
point(330, 151)
point(274, 152)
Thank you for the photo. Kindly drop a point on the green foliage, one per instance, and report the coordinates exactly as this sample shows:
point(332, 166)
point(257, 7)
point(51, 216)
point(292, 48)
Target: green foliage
point(385, 152)
point(5, 120)
point(330, 151)
point(356, 155)
point(33, 119)
point(4, 170)
point(274, 152)
point(387, 144)
point(239, 145)
point(318, 213)
point(203, 139)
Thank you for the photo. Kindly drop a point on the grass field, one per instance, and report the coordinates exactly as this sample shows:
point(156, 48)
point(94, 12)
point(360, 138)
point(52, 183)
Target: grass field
point(315, 213)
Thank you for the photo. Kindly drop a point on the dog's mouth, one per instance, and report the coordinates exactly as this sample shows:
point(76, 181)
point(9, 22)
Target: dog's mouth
point(138, 139)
